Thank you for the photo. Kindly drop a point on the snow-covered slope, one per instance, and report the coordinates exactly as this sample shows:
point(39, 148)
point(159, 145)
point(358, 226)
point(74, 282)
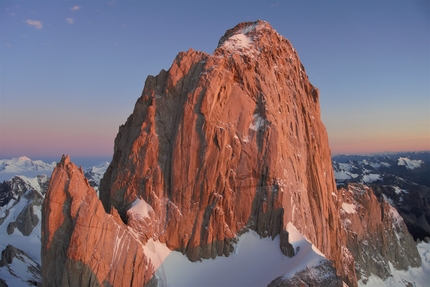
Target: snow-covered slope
point(19, 269)
point(20, 229)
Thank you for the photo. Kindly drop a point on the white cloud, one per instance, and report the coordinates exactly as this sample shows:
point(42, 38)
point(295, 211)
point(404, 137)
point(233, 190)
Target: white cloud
point(36, 24)
point(70, 21)
point(75, 8)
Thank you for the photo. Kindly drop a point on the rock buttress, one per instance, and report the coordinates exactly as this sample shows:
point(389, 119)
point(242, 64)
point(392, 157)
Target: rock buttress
point(82, 245)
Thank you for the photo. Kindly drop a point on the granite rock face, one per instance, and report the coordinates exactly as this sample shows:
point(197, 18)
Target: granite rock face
point(226, 142)
point(82, 245)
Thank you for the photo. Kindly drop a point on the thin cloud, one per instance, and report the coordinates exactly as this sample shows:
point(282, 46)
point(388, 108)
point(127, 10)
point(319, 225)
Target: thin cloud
point(36, 24)
point(70, 21)
point(75, 8)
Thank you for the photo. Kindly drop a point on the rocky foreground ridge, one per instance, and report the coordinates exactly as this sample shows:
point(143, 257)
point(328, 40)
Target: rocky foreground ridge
point(217, 145)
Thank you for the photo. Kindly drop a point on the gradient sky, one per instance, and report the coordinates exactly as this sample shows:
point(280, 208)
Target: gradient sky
point(71, 71)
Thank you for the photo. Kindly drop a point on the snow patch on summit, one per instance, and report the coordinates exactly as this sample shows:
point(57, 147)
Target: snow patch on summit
point(242, 41)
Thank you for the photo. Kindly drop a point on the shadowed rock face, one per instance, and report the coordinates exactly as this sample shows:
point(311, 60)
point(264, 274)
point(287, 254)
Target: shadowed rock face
point(412, 205)
point(82, 245)
point(225, 142)
point(321, 275)
point(376, 235)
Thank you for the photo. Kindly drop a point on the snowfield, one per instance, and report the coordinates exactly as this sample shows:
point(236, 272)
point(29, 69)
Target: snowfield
point(255, 262)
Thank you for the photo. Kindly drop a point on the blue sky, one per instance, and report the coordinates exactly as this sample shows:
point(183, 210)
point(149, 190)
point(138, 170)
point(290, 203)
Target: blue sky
point(71, 71)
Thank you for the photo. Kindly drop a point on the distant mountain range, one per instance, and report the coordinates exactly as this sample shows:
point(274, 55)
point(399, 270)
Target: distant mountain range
point(24, 166)
point(383, 168)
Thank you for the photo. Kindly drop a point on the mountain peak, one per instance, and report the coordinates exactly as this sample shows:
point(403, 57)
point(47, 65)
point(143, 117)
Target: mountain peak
point(252, 39)
point(65, 160)
point(217, 136)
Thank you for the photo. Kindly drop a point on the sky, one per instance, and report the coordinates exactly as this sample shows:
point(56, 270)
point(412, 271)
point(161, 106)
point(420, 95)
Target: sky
point(71, 71)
